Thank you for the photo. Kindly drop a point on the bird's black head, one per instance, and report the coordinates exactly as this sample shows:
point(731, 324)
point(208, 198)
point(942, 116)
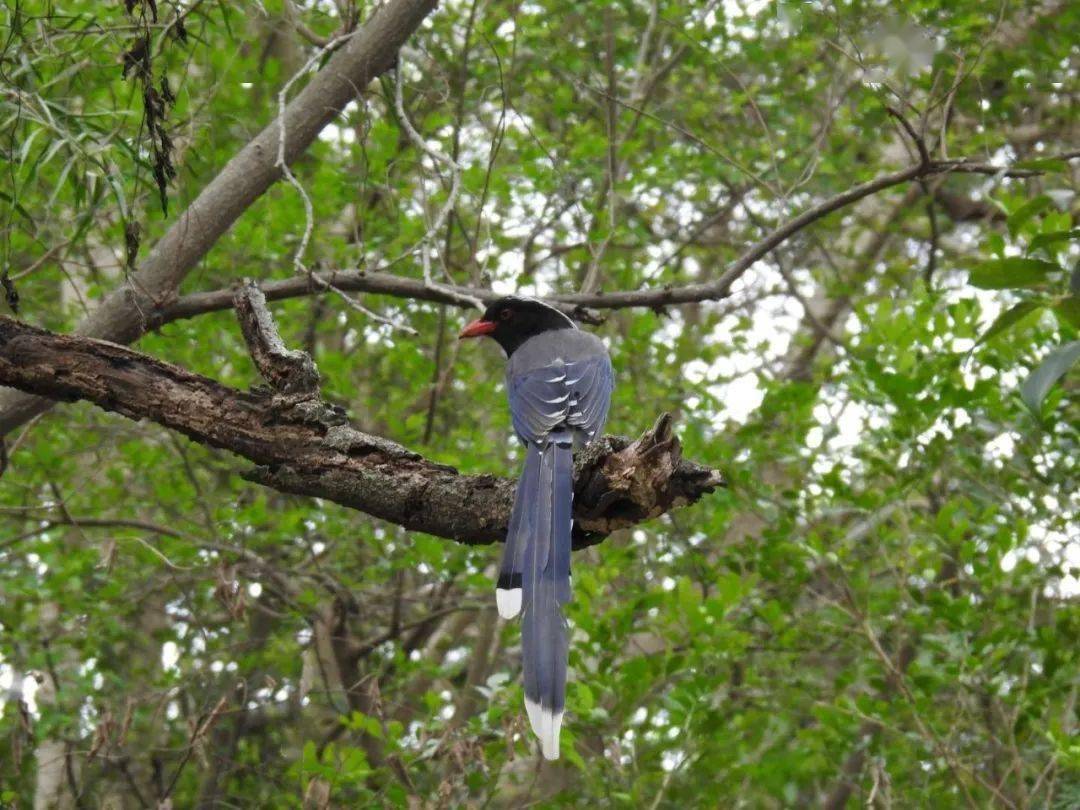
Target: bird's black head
point(511, 321)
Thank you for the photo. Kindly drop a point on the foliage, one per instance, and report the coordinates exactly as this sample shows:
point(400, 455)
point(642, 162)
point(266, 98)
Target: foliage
point(881, 608)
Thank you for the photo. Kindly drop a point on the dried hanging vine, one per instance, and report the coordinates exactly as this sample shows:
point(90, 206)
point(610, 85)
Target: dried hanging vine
point(158, 100)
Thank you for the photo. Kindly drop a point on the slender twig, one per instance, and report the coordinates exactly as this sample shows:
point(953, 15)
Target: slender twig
point(87, 523)
point(283, 164)
point(897, 675)
point(935, 238)
point(309, 210)
point(43, 259)
point(697, 139)
point(354, 304)
point(292, 13)
point(916, 138)
point(427, 242)
point(592, 275)
point(202, 727)
point(808, 310)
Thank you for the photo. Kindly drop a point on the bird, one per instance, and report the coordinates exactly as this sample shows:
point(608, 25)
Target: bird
point(559, 381)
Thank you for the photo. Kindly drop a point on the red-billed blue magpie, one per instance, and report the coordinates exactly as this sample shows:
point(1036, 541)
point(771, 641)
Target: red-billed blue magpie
point(559, 381)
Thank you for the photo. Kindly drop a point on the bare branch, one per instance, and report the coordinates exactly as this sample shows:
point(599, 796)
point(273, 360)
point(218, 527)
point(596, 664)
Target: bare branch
point(376, 282)
point(578, 305)
point(916, 138)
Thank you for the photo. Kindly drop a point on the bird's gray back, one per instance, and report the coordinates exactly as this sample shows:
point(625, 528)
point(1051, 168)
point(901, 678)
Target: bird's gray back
point(559, 379)
point(547, 348)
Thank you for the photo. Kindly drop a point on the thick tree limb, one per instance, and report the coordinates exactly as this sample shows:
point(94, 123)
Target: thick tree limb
point(305, 446)
point(579, 305)
point(121, 317)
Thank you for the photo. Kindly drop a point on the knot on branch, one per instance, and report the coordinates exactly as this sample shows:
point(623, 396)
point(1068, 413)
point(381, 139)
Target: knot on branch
point(620, 483)
point(583, 314)
point(287, 371)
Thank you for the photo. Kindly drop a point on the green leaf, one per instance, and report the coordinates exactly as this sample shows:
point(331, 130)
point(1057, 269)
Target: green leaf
point(1019, 217)
point(1068, 310)
point(353, 764)
point(1042, 164)
point(1052, 368)
point(1015, 271)
point(358, 721)
point(1010, 318)
point(1044, 240)
point(17, 207)
point(585, 698)
point(568, 750)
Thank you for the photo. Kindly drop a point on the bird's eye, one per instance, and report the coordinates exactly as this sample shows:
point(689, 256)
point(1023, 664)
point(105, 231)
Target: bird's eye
point(505, 314)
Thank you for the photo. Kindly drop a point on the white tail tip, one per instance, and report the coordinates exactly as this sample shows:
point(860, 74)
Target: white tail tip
point(546, 724)
point(508, 601)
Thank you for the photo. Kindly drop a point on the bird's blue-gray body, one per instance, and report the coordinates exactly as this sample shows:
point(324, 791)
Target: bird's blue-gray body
point(559, 383)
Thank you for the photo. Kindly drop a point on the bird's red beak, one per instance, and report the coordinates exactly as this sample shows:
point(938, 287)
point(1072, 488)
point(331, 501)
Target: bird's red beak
point(477, 328)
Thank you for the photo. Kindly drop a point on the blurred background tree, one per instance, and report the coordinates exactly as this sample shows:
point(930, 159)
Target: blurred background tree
point(880, 610)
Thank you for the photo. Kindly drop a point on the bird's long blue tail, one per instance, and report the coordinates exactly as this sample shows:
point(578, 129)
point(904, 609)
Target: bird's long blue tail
point(535, 574)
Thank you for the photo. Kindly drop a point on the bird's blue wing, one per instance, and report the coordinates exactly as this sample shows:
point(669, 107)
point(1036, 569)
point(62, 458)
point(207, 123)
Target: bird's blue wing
point(538, 402)
point(575, 394)
point(590, 383)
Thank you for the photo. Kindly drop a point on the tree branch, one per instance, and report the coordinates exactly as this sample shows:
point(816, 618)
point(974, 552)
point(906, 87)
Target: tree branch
point(577, 305)
point(287, 371)
point(376, 282)
point(305, 446)
point(121, 317)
